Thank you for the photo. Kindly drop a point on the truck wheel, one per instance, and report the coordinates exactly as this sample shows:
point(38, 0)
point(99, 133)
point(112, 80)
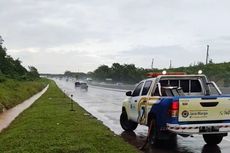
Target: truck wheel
point(126, 124)
point(153, 132)
point(212, 139)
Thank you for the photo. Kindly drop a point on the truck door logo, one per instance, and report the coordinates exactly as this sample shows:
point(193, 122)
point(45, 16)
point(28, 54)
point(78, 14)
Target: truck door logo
point(185, 114)
point(225, 113)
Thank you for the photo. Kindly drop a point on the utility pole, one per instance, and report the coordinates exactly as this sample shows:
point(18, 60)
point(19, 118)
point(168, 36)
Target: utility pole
point(170, 65)
point(152, 63)
point(207, 55)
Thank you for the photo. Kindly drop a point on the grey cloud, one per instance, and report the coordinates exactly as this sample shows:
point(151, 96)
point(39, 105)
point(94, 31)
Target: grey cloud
point(130, 30)
point(58, 62)
point(149, 50)
point(224, 38)
point(143, 55)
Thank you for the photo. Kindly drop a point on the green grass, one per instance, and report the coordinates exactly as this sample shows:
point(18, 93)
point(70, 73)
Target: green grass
point(13, 92)
point(49, 126)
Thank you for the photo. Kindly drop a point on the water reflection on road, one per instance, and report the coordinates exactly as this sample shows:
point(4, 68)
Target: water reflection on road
point(106, 104)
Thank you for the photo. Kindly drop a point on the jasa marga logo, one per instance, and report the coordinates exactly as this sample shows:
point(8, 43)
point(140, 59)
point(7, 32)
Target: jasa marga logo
point(185, 114)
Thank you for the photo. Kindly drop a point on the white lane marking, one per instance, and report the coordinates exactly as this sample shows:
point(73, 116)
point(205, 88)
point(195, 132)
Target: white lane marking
point(227, 139)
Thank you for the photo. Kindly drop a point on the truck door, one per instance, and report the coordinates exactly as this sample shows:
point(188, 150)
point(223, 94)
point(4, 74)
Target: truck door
point(134, 101)
point(142, 108)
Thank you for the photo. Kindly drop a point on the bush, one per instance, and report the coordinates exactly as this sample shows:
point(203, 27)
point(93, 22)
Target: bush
point(2, 78)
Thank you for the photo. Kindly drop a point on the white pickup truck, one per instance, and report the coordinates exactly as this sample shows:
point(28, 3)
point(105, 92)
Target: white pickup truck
point(176, 103)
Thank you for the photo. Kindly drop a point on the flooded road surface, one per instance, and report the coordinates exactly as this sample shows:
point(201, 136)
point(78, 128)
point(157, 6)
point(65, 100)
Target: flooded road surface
point(106, 104)
point(8, 116)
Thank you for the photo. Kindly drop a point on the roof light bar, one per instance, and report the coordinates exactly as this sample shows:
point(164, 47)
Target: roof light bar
point(156, 74)
point(200, 72)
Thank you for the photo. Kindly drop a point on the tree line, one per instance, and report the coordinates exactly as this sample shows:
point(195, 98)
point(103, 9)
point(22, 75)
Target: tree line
point(129, 73)
point(218, 72)
point(12, 68)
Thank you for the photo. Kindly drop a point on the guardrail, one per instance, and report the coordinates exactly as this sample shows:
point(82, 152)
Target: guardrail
point(114, 86)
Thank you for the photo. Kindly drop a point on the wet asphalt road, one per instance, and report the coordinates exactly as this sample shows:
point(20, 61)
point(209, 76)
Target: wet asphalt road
point(106, 104)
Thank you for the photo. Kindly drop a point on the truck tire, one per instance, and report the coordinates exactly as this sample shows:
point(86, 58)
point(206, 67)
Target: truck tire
point(127, 124)
point(212, 139)
point(153, 132)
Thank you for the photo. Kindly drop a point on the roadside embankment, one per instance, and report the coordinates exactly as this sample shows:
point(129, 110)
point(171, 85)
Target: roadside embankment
point(8, 116)
point(13, 92)
point(49, 126)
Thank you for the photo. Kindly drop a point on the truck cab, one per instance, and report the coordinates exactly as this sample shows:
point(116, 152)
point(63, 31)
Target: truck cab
point(178, 104)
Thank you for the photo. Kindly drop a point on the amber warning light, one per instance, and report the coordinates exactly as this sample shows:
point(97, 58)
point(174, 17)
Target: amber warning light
point(156, 74)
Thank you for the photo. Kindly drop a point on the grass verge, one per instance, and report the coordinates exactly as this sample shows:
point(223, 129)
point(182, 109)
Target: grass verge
point(49, 126)
point(13, 92)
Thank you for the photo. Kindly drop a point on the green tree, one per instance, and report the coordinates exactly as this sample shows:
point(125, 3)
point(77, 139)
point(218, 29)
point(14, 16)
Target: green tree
point(102, 72)
point(1, 40)
point(33, 72)
point(13, 68)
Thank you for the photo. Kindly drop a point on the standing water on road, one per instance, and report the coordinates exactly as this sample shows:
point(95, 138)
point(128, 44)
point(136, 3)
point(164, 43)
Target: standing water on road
point(106, 106)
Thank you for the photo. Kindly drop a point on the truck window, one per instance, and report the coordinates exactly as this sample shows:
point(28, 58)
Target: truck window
point(164, 82)
point(184, 84)
point(137, 90)
point(195, 86)
point(146, 87)
point(174, 83)
point(190, 86)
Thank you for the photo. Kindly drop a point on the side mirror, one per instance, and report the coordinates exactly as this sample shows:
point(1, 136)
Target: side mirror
point(129, 93)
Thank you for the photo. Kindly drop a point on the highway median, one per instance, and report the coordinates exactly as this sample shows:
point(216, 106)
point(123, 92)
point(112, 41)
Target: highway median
point(49, 125)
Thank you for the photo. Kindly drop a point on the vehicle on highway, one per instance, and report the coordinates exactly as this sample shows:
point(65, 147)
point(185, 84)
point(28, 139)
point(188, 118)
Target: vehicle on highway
point(77, 84)
point(84, 86)
point(118, 83)
point(176, 103)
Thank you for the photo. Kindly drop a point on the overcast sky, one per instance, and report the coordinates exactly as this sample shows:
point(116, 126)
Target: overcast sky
point(80, 35)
